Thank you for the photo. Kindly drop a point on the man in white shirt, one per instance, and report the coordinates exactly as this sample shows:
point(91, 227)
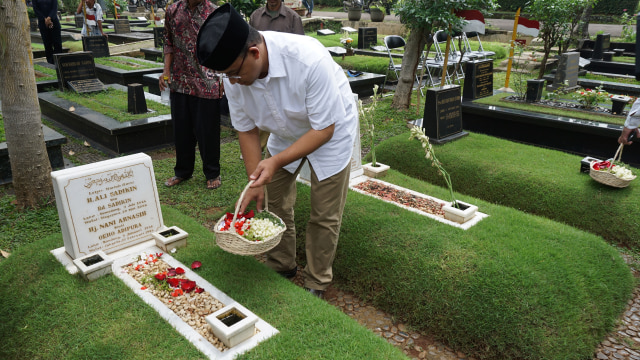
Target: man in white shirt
point(631, 124)
point(290, 86)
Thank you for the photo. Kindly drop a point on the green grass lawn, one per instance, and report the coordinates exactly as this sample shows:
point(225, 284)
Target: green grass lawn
point(127, 63)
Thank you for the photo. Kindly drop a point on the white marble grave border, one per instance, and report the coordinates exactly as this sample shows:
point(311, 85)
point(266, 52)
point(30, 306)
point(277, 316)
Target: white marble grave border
point(360, 179)
point(264, 329)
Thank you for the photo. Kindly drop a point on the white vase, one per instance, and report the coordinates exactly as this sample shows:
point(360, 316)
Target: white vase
point(466, 213)
point(378, 171)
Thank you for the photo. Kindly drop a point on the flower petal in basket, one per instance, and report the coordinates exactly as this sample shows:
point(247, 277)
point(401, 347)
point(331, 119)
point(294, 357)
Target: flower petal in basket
point(232, 242)
point(607, 178)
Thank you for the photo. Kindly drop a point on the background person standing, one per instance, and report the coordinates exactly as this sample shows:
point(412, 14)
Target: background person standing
point(274, 16)
point(49, 25)
point(195, 93)
point(92, 18)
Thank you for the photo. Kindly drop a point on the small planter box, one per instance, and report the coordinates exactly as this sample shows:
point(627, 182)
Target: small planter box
point(170, 238)
point(462, 215)
point(375, 172)
point(94, 265)
point(232, 324)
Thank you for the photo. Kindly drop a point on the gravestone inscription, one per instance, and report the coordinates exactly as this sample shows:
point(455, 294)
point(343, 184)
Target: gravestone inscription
point(567, 73)
point(108, 205)
point(367, 37)
point(442, 113)
point(77, 71)
point(121, 26)
point(158, 37)
point(98, 45)
point(478, 82)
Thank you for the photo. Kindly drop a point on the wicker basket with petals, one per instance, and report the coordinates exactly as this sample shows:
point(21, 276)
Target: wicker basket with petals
point(232, 242)
point(606, 177)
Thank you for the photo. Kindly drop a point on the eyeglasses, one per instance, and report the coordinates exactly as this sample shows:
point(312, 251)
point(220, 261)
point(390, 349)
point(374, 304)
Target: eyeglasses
point(235, 76)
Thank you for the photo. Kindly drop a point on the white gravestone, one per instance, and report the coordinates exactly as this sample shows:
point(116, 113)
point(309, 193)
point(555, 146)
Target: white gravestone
point(108, 205)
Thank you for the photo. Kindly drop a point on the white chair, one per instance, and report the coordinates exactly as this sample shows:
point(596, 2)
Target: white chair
point(481, 51)
point(454, 72)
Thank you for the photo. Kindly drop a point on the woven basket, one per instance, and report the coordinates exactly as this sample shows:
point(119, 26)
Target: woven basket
point(607, 178)
point(230, 241)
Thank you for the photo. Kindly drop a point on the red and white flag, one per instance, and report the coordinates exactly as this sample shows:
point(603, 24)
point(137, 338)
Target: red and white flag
point(528, 27)
point(474, 20)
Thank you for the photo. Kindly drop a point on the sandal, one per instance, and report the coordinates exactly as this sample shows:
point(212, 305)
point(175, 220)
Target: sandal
point(213, 184)
point(174, 180)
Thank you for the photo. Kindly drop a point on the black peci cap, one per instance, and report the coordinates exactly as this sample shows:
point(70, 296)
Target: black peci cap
point(221, 38)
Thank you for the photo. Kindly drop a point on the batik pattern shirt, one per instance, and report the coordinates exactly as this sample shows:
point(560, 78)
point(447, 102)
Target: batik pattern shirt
point(181, 34)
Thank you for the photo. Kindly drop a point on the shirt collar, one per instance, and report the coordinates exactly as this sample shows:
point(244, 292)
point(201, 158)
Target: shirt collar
point(276, 64)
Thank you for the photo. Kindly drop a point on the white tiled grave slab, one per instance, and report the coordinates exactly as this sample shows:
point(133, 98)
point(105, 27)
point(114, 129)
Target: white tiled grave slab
point(126, 256)
point(478, 216)
point(108, 205)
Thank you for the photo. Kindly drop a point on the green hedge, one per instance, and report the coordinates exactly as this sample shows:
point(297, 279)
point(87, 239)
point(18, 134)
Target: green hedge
point(603, 7)
point(539, 181)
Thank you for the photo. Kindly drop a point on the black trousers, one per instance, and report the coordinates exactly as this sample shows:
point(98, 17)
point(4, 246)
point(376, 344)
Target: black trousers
point(51, 38)
point(196, 121)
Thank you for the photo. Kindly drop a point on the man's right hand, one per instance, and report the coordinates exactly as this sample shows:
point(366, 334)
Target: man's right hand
point(256, 194)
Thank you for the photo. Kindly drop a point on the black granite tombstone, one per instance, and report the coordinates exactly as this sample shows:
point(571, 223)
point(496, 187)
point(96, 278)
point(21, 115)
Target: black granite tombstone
point(133, 8)
point(121, 26)
point(79, 20)
point(442, 120)
point(158, 37)
point(98, 45)
point(367, 36)
point(137, 102)
point(608, 55)
point(534, 89)
point(77, 71)
point(478, 79)
point(603, 42)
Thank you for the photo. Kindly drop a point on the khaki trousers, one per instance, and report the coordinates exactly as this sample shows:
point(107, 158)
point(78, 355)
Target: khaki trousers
point(327, 204)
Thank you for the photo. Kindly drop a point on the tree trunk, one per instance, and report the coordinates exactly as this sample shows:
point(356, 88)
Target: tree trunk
point(21, 112)
point(412, 54)
point(583, 30)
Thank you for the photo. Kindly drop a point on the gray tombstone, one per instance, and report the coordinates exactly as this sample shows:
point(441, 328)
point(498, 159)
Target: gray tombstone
point(442, 121)
point(367, 37)
point(478, 79)
point(98, 45)
point(567, 72)
point(603, 42)
point(77, 71)
point(121, 26)
point(79, 20)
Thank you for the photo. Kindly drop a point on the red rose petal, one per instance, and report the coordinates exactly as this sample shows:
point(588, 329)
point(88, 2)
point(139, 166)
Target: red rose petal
point(196, 265)
point(199, 290)
point(160, 276)
point(179, 271)
point(173, 282)
point(188, 286)
point(171, 272)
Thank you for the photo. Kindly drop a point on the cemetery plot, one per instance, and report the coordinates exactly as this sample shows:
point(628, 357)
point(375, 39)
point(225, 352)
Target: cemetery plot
point(112, 136)
point(125, 70)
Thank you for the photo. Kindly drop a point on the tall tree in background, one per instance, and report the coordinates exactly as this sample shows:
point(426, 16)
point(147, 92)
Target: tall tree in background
point(20, 109)
point(555, 18)
point(423, 18)
point(585, 19)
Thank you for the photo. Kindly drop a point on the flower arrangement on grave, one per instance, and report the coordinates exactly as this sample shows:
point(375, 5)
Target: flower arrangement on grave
point(253, 226)
point(418, 133)
point(164, 279)
point(366, 117)
point(589, 99)
point(347, 42)
point(617, 169)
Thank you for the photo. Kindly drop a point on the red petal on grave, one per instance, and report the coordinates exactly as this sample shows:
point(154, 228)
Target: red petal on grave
point(179, 271)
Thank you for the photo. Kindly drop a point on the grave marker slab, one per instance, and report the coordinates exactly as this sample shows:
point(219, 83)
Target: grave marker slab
point(79, 20)
point(108, 205)
point(567, 72)
point(442, 121)
point(367, 36)
point(73, 67)
point(121, 26)
point(158, 37)
point(602, 44)
point(98, 45)
point(325, 32)
point(478, 80)
point(85, 86)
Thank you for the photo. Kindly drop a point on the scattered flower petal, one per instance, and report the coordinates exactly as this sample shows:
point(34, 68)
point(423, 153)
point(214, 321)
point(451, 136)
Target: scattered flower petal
point(179, 271)
point(161, 276)
point(196, 265)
